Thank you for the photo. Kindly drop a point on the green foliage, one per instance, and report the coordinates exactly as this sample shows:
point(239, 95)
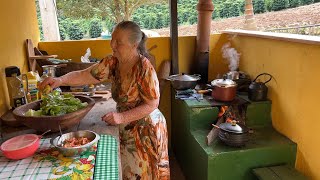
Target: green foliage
point(242, 4)
point(62, 33)
point(259, 6)
point(75, 32)
point(229, 9)
point(95, 28)
point(39, 20)
point(110, 24)
point(280, 5)
point(306, 2)
point(294, 3)
point(268, 4)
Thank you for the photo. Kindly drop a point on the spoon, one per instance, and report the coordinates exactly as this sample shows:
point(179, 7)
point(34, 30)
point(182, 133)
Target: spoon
point(45, 133)
point(60, 134)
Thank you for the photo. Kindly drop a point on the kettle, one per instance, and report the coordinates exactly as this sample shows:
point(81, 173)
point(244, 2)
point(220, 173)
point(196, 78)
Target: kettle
point(258, 90)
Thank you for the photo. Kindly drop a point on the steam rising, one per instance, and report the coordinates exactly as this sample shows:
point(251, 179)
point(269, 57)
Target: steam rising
point(231, 55)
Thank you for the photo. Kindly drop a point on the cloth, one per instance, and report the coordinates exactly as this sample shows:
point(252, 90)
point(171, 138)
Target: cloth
point(144, 143)
point(49, 163)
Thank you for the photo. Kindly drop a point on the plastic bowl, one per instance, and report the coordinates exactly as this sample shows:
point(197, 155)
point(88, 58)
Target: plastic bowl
point(20, 147)
point(44, 123)
point(75, 151)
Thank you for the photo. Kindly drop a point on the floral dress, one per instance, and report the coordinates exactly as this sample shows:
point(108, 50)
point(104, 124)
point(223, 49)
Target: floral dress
point(144, 143)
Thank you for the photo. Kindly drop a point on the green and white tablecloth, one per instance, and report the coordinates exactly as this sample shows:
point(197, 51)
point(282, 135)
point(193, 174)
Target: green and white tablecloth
point(100, 162)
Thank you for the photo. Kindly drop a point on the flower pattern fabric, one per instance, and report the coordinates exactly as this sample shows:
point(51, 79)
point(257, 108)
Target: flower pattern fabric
point(144, 143)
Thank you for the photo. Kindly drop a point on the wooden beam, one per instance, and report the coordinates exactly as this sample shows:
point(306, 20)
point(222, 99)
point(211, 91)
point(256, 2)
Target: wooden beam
point(174, 36)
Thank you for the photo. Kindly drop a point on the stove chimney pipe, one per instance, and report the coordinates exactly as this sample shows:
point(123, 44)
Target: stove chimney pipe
point(205, 9)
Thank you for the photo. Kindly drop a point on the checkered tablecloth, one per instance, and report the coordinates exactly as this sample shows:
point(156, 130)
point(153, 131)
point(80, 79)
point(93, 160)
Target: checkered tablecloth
point(47, 163)
point(107, 165)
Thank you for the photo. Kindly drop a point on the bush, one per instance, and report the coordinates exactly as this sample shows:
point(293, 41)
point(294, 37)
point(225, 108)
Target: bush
point(259, 6)
point(95, 28)
point(75, 32)
point(294, 3)
point(242, 5)
point(306, 2)
point(268, 4)
point(62, 33)
point(280, 4)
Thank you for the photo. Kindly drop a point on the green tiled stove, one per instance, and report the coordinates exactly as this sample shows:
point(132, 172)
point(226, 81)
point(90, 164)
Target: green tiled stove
point(191, 123)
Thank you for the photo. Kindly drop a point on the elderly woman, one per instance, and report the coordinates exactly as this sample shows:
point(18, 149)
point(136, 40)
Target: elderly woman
point(135, 88)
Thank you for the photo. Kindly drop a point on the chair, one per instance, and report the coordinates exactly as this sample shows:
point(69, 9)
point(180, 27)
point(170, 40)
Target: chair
point(32, 57)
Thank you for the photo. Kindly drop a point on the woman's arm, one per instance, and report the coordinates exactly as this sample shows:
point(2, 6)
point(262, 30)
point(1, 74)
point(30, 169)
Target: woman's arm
point(78, 78)
point(75, 78)
point(134, 114)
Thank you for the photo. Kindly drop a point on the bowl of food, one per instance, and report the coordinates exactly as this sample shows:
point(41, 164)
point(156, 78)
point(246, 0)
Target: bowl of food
point(53, 111)
point(75, 143)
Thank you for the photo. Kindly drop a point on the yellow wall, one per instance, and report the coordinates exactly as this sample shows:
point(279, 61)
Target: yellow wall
point(18, 22)
point(294, 92)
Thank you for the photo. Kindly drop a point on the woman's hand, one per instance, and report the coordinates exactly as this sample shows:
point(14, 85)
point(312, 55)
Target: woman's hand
point(52, 82)
point(112, 118)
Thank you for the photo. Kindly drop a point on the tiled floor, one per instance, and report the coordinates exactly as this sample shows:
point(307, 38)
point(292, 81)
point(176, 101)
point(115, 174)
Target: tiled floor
point(175, 170)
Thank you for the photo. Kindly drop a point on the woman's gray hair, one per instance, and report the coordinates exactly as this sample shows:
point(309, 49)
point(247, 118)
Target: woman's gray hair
point(136, 35)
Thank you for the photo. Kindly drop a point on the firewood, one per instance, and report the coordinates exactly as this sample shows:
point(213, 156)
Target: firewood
point(214, 132)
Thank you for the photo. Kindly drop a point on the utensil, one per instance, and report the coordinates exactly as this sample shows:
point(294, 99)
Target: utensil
point(43, 123)
point(75, 151)
point(258, 91)
point(184, 81)
point(223, 89)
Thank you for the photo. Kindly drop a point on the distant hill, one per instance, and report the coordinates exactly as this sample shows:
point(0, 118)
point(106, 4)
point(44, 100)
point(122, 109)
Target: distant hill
point(303, 15)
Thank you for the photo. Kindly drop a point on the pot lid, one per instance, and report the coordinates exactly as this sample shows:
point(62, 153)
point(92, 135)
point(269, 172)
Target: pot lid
point(223, 83)
point(234, 127)
point(184, 77)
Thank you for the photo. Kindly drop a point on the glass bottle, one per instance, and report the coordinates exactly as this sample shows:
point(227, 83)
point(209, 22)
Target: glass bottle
point(19, 97)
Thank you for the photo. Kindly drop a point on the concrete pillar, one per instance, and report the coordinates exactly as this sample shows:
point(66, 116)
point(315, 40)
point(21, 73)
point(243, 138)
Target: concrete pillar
point(49, 20)
point(249, 23)
point(205, 9)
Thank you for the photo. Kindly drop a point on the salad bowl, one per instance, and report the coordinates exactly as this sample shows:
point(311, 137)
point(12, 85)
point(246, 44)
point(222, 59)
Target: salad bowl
point(44, 123)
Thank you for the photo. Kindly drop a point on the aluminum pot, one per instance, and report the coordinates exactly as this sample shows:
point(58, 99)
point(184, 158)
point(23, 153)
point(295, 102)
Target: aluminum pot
point(184, 81)
point(233, 134)
point(223, 89)
point(58, 141)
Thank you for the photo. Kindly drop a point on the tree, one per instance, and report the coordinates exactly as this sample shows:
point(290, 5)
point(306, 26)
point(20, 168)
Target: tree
point(269, 4)
point(75, 32)
point(294, 3)
point(95, 28)
point(259, 6)
point(280, 4)
point(117, 10)
point(306, 2)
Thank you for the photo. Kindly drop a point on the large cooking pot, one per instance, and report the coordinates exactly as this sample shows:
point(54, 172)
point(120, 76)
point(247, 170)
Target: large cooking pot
point(223, 89)
point(258, 91)
point(184, 81)
point(233, 134)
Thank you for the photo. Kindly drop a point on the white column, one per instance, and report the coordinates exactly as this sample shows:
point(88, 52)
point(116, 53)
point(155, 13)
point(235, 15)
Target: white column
point(49, 20)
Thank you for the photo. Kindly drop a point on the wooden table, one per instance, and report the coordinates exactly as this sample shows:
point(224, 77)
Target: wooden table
point(92, 121)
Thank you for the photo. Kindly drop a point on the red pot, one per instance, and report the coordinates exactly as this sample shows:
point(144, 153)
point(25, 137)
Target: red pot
point(20, 147)
point(223, 89)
